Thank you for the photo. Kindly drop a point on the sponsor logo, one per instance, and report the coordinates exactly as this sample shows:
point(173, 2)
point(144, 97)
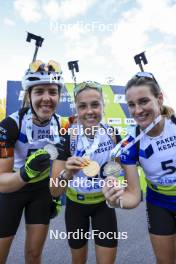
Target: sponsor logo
point(129, 121)
point(119, 99)
point(114, 121)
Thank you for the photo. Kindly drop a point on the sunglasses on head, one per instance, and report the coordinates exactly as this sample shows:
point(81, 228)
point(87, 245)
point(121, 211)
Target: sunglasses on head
point(39, 65)
point(88, 84)
point(146, 75)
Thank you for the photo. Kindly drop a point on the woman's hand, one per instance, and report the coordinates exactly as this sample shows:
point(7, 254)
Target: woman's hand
point(112, 191)
point(75, 164)
point(37, 167)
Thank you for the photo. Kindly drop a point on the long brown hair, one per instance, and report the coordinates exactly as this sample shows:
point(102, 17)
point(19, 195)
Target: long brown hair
point(155, 90)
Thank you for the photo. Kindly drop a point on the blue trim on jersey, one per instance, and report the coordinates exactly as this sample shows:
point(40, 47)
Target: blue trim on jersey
point(130, 157)
point(147, 153)
point(80, 153)
point(161, 200)
point(23, 138)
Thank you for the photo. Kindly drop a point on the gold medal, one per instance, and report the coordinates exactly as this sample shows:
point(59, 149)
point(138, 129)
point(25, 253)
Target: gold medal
point(92, 169)
point(112, 168)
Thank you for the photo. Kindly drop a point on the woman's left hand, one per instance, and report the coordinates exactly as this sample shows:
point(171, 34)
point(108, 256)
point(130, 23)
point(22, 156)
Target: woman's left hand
point(112, 191)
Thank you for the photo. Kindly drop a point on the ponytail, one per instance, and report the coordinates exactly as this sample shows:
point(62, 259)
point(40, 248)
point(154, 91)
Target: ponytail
point(167, 111)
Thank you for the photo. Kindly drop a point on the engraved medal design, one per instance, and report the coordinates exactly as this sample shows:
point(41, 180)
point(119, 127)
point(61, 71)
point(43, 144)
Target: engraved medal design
point(112, 168)
point(52, 151)
point(92, 169)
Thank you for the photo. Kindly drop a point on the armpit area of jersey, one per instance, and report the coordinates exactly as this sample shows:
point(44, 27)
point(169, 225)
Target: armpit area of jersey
point(8, 131)
point(8, 135)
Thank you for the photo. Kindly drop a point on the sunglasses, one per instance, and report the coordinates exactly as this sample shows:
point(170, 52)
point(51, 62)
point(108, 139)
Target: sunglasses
point(88, 84)
point(146, 75)
point(39, 65)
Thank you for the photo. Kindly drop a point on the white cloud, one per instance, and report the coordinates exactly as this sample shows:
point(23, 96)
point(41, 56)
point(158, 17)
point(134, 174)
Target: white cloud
point(66, 9)
point(8, 22)
point(160, 15)
point(28, 10)
point(136, 32)
point(144, 25)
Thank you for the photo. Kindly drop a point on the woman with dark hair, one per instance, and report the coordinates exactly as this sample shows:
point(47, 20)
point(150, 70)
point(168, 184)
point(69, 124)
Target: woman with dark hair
point(156, 153)
point(25, 165)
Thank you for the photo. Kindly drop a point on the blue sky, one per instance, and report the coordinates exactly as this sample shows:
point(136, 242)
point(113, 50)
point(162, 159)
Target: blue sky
point(103, 35)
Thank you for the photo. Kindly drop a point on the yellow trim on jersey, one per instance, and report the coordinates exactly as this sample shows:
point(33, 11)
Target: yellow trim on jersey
point(167, 190)
point(85, 198)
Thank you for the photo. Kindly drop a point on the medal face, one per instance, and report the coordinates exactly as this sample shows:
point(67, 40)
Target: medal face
point(112, 169)
point(92, 169)
point(52, 151)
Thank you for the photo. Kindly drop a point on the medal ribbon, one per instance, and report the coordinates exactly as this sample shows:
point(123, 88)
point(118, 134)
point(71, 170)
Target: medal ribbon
point(118, 150)
point(53, 130)
point(86, 144)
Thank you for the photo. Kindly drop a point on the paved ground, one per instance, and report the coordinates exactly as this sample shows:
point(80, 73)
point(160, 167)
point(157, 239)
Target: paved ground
point(136, 249)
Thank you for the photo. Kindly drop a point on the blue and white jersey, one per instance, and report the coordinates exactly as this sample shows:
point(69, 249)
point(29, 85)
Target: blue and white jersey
point(101, 156)
point(73, 146)
point(14, 143)
point(23, 148)
point(157, 157)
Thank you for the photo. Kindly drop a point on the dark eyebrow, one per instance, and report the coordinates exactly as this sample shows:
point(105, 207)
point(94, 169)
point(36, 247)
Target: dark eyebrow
point(143, 98)
point(38, 89)
point(140, 99)
point(93, 102)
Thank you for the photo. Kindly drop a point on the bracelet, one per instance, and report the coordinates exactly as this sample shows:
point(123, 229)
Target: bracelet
point(110, 206)
point(119, 205)
point(62, 177)
point(121, 202)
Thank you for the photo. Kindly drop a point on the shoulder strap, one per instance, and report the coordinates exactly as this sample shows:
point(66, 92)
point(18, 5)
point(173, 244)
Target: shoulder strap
point(57, 121)
point(138, 142)
point(21, 114)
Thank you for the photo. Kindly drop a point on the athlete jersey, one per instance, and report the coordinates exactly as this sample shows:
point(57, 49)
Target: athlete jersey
point(83, 188)
point(15, 143)
point(157, 156)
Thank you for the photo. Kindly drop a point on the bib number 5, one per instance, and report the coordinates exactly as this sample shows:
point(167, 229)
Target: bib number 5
point(168, 167)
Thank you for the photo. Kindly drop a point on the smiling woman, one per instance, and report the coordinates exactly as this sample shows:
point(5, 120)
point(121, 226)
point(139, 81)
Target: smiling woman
point(156, 153)
point(81, 168)
point(25, 164)
point(44, 99)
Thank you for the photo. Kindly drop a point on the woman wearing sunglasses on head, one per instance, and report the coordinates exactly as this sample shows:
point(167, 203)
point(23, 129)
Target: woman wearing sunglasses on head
point(86, 152)
point(25, 165)
point(156, 153)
